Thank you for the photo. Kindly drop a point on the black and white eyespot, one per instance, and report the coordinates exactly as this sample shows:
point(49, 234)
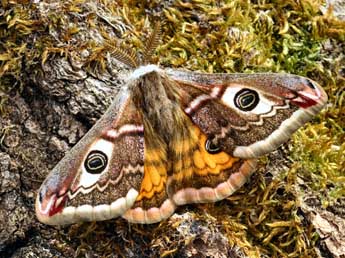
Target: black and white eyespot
point(246, 99)
point(211, 147)
point(96, 162)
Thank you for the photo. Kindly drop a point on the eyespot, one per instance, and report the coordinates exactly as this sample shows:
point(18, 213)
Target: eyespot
point(211, 147)
point(246, 99)
point(96, 162)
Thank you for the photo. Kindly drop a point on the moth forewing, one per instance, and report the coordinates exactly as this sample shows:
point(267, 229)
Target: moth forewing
point(284, 103)
point(97, 180)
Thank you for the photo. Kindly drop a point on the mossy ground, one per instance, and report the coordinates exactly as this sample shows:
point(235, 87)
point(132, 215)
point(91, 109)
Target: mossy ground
point(214, 36)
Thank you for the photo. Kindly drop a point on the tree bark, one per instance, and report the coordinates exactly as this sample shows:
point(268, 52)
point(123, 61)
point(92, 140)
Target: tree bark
point(61, 97)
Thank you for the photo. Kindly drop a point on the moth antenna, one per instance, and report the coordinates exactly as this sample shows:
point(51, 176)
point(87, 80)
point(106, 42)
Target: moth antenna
point(133, 54)
point(128, 58)
point(152, 43)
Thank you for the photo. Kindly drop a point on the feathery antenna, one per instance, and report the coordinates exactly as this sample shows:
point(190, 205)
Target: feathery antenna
point(127, 57)
point(152, 43)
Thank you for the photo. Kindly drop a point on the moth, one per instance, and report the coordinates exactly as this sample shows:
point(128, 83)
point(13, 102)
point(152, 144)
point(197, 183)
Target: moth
point(174, 137)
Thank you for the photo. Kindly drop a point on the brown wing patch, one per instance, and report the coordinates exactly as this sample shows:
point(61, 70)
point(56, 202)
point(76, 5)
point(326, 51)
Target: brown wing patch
point(284, 103)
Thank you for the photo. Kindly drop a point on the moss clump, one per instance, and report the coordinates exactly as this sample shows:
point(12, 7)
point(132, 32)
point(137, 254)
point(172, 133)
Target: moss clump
point(211, 36)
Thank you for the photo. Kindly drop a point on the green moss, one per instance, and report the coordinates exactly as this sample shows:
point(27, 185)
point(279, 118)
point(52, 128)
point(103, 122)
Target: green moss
point(211, 36)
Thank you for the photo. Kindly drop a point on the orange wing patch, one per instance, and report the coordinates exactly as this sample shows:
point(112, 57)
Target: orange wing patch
point(206, 163)
point(195, 159)
point(200, 176)
point(152, 204)
point(185, 173)
point(155, 174)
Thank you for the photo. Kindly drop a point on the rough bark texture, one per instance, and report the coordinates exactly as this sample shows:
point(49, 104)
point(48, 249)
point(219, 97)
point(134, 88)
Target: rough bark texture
point(59, 102)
